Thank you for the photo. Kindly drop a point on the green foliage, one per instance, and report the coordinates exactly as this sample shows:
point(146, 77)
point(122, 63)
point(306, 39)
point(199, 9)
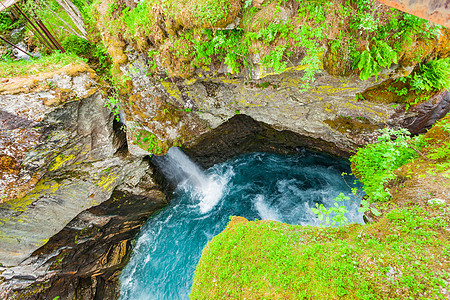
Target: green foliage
point(113, 104)
point(211, 11)
point(95, 54)
point(274, 59)
point(375, 163)
point(46, 63)
point(434, 75)
point(380, 55)
point(400, 92)
point(362, 4)
point(365, 206)
point(308, 38)
point(272, 31)
point(138, 18)
point(223, 44)
point(441, 153)
point(337, 211)
point(149, 142)
point(6, 22)
point(402, 256)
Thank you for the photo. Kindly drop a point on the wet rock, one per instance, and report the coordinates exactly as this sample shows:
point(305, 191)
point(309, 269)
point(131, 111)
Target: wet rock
point(427, 113)
point(84, 259)
point(242, 134)
point(56, 159)
point(155, 121)
point(280, 101)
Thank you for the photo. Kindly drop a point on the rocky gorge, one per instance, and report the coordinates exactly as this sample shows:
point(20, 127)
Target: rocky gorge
point(77, 178)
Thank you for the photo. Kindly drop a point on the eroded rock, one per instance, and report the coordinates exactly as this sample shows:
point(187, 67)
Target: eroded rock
point(84, 259)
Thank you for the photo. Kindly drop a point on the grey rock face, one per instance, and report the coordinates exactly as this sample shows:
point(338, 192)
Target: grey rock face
point(61, 160)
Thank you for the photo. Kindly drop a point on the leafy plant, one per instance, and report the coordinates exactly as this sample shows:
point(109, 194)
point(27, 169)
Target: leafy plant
point(434, 75)
point(113, 105)
point(366, 206)
point(224, 45)
point(378, 55)
point(6, 22)
point(374, 164)
point(274, 59)
point(338, 211)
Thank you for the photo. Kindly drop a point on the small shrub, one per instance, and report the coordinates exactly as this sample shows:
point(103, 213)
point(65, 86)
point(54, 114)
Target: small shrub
point(96, 54)
point(337, 211)
point(5, 21)
point(374, 164)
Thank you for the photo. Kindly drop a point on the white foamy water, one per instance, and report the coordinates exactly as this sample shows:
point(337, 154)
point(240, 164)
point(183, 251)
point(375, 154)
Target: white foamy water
point(265, 211)
point(179, 168)
point(254, 186)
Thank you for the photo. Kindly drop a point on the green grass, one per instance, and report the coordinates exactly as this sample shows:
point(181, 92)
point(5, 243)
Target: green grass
point(46, 63)
point(403, 256)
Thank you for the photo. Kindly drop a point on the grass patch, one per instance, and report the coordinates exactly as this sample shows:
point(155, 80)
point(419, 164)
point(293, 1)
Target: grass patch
point(47, 63)
point(402, 256)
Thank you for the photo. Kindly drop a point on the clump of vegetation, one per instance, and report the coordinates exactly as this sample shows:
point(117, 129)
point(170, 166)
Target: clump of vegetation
point(6, 22)
point(250, 260)
point(95, 54)
point(375, 163)
point(189, 39)
point(434, 75)
point(46, 63)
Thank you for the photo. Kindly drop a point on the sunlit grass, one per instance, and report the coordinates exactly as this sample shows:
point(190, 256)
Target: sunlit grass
point(44, 64)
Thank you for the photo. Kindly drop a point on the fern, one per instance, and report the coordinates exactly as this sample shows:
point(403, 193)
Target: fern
point(433, 75)
point(380, 55)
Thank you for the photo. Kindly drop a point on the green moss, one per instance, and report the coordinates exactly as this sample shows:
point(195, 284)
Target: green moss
point(399, 257)
point(182, 35)
point(351, 126)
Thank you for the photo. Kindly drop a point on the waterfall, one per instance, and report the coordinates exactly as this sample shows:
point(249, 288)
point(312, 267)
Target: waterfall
point(179, 169)
point(255, 186)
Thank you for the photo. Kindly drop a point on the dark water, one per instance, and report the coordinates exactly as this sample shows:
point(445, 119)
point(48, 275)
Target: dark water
point(258, 185)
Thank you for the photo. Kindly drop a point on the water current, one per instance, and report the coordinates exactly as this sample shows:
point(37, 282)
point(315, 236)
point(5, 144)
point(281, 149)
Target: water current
point(255, 186)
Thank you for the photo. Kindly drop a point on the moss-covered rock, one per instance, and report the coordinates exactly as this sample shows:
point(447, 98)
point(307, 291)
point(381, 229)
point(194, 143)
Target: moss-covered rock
point(267, 259)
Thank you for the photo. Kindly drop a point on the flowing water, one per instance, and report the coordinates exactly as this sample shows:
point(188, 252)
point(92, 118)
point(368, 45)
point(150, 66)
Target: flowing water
point(255, 186)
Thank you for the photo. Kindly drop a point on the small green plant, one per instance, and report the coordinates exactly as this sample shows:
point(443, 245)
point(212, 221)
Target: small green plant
point(374, 164)
point(338, 211)
point(434, 75)
point(401, 92)
point(365, 206)
point(114, 106)
point(95, 54)
point(148, 142)
point(378, 55)
point(6, 22)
